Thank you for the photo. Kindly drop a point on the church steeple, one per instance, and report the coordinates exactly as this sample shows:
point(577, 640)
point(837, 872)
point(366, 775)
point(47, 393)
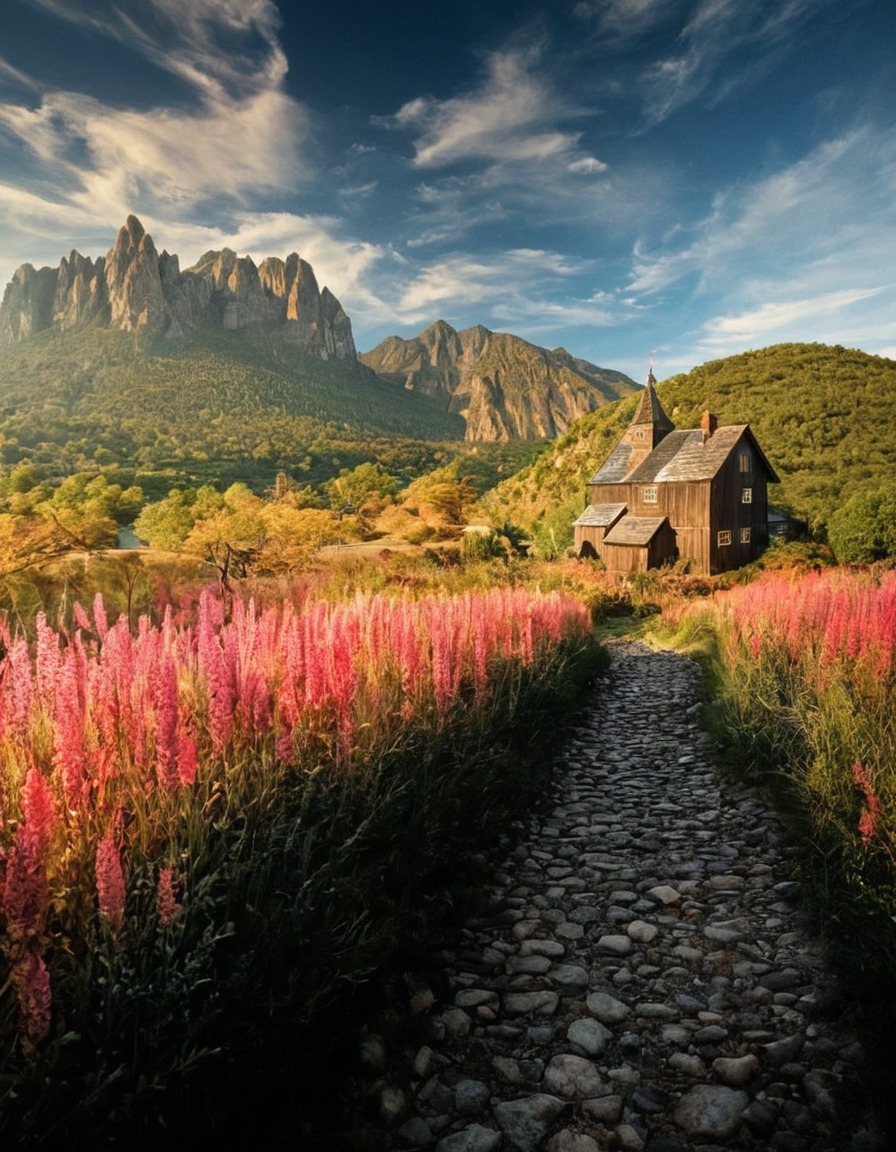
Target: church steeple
point(649, 424)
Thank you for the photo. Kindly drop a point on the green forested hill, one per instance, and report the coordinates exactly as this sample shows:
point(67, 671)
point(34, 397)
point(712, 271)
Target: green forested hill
point(219, 402)
point(825, 417)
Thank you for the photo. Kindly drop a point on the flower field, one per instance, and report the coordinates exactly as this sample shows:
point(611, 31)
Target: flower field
point(807, 679)
point(227, 804)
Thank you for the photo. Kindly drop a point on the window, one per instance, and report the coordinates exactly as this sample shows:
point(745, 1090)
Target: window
point(724, 537)
point(745, 535)
point(746, 497)
point(648, 494)
point(745, 463)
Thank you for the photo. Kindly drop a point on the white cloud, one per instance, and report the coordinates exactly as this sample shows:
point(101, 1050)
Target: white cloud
point(833, 210)
point(91, 164)
point(761, 325)
point(588, 166)
point(512, 117)
point(216, 46)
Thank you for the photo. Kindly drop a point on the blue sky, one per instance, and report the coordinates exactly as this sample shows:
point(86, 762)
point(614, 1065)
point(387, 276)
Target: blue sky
point(691, 178)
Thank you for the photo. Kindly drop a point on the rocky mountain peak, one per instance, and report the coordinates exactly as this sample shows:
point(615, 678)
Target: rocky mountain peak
point(138, 290)
point(504, 387)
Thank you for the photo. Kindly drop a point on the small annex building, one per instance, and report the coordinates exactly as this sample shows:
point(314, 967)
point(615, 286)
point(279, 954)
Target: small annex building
point(665, 494)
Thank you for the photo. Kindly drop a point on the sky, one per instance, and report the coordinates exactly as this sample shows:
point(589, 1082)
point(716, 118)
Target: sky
point(679, 180)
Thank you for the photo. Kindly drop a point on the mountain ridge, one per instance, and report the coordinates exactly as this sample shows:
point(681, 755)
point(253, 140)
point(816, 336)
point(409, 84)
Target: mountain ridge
point(135, 288)
point(481, 385)
point(500, 383)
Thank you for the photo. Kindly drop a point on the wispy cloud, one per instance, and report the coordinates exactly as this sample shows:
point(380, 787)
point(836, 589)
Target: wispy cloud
point(219, 47)
point(716, 32)
point(764, 324)
point(625, 18)
point(514, 116)
point(238, 138)
point(13, 75)
point(836, 201)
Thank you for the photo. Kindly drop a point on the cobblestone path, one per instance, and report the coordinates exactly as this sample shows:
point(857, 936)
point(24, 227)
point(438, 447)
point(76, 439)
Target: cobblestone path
point(643, 979)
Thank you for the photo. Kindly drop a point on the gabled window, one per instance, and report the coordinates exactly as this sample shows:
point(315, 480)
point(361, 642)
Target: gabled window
point(648, 494)
point(724, 537)
point(745, 463)
point(745, 535)
point(746, 497)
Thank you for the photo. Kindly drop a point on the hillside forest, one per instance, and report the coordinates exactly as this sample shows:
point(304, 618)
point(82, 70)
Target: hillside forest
point(253, 487)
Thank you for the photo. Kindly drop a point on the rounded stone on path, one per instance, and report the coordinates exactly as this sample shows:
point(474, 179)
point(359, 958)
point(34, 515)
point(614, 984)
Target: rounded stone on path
point(422, 1061)
point(475, 997)
point(628, 1139)
point(570, 978)
point(451, 1022)
point(711, 1110)
point(616, 945)
point(525, 1122)
point(569, 931)
point(508, 1069)
point(589, 1035)
point(471, 1096)
point(573, 1077)
point(642, 932)
point(782, 1051)
point(606, 1109)
point(725, 932)
point(735, 1070)
point(664, 894)
point(414, 1133)
point(606, 1008)
point(522, 1003)
point(687, 1063)
point(472, 1139)
point(532, 965)
point(392, 1104)
point(569, 1141)
point(653, 1010)
point(552, 948)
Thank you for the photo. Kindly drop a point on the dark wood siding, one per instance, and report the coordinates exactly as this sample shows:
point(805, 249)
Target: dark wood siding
point(698, 510)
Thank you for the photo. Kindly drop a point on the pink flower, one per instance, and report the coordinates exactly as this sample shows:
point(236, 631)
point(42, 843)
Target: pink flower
point(32, 983)
point(166, 903)
point(110, 882)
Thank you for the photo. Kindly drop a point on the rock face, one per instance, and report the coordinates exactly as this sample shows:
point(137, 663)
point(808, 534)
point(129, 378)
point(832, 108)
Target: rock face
point(134, 288)
point(503, 386)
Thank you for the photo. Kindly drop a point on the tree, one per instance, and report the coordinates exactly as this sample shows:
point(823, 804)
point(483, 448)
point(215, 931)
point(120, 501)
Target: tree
point(366, 488)
point(167, 523)
point(863, 529)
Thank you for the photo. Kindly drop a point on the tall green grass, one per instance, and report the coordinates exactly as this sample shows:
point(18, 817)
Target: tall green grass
point(804, 668)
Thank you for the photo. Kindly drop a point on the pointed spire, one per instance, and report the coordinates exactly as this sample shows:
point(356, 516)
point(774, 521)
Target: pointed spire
point(650, 410)
point(649, 425)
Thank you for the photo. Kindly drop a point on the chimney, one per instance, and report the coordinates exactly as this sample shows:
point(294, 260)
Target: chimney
point(708, 425)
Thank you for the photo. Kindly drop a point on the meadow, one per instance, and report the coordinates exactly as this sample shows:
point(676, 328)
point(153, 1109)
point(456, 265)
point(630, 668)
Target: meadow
point(803, 674)
point(220, 821)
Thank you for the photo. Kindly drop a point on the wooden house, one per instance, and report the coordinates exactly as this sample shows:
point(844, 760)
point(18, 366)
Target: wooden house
point(665, 493)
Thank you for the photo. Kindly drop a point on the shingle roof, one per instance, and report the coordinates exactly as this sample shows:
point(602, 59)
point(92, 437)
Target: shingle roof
point(600, 515)
point(687, 455)
point(615, 467)
point(635, 530)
